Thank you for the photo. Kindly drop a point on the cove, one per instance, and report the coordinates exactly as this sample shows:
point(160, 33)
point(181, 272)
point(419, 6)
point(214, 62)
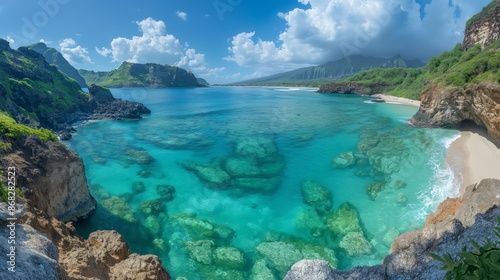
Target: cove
point(242, 182)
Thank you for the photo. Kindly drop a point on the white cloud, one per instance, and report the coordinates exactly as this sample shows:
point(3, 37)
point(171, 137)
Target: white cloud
point(10, 40)
point(73, 53)
point(331, 29)
point(155, 45)
point(182, 15)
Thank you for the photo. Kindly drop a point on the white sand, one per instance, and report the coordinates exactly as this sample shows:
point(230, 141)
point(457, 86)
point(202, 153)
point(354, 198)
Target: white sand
point(394, 99)
point(473, 158)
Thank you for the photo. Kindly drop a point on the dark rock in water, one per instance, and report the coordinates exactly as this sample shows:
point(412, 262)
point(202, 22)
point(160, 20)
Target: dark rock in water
point(344, 160)
point(344, 220)
point(373, 190)
point(211, 173)
point(144, 173)
point(166, 192)
point(140, 157)
point(311, 270)
point(152, 207)
point(128, 197)
point(120, 109)
point(378, 100)
point(138, 187)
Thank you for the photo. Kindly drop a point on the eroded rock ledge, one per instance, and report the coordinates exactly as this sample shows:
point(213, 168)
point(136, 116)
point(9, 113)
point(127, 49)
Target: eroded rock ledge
point(450, 106)
point(446, 231)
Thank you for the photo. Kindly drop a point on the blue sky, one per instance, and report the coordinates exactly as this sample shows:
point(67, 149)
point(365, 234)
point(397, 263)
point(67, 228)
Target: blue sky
point(231, 40)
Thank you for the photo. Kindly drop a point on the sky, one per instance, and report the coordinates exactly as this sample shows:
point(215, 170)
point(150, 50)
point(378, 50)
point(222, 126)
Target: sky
point(233, 40)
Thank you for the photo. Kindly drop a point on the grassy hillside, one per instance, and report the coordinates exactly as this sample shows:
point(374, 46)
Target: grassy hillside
point(142, 75)
point(35, 92)
point(54, 57)
point(453, 68)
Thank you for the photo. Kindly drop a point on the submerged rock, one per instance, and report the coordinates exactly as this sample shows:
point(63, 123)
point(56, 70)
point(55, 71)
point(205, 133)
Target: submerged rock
point(248, 167)
point(120, 208)
point(281, 255)
point(210, 173)
point(260, 271)
point(355, 244)
point(317, 196)
point(152, 207)
point(344, 220)
point(138, 157)
point(138, 187)
point(311, 221)
point(373, 190)
point(229, 257)
point(261, 148)
point(166, 192)
point(344, 160)
point(311, 270)
point(203, 229)
point(256, 185)
point(201, 251)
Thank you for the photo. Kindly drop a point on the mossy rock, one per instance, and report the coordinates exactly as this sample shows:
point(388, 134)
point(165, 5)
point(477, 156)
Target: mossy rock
point(229, 257)
point(120, 208)
point(345, 219)
point(166, 192)
point(140, 157)
point(203, 229)
point(355, 244)
point(260, 271)
point(201, 251)
point(310, 221)
point(152, 207)
point(138, 187)
point(344, 160)
point(317, 196)
point(373, 190)
point(210, 173)
point(256, 185)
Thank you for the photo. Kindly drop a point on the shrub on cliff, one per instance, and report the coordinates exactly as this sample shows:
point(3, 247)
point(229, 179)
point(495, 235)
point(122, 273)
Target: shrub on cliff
point(11, 129)
point(482, 263)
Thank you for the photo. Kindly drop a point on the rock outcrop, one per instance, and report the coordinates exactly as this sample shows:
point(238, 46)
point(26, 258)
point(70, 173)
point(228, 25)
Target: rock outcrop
point(353, 88)
point(450, 106)
point(53, 178)
point(472, 219)
point(483, 28)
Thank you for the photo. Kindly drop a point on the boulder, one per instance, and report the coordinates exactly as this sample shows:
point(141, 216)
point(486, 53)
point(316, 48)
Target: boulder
point(260, 271)
point(139, 267)
point(152, 207)
point(166, 192)
point(311, 270)
point(203, 229)
point(344, 160)
point(201, 251)
point(373, 190)
point(317, 196)
point(140, 157)
point(229, 257)
point(120, 208)
point(210, 173)
point(344, 220)
point(138, 187)
point(355, 244)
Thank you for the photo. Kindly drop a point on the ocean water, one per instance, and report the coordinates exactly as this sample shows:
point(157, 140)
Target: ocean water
point(231, 166)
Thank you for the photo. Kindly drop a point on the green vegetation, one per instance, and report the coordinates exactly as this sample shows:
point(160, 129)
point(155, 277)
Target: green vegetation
point(454, 68)
point(10, 128)
point(482, 263)
point(330, 71)
point(141, 75)
point(32, 89)
point(4, 191)
point(492, 10)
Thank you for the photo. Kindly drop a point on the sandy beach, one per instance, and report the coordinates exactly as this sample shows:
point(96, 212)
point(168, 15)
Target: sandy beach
point(473, 158)
point(395, 99)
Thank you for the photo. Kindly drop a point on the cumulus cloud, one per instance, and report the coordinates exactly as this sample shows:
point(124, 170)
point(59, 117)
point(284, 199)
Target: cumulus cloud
point(330, 29)
point(155, 45)
point(73, 53)
point(182, 15)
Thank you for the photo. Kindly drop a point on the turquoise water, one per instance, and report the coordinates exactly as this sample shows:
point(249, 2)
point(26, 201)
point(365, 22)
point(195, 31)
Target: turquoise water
point(238, 158)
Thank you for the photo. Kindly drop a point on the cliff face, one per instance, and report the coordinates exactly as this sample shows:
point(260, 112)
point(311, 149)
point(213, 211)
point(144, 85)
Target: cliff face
point(450, 106)
point(449, 230)
point(483, 28)
point(53, 176)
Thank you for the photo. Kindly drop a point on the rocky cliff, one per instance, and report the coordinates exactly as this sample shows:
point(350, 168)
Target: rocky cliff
point(450, 106)
point(483, 28)
point(447, 231)
point(53, 190)
point(353, 88)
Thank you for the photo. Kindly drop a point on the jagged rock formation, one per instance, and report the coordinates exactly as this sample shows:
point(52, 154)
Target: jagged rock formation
point(447, 233)
point(54, 57)
point(54, 178)
point(483, 28)
point(150, 75)
point(450, 106)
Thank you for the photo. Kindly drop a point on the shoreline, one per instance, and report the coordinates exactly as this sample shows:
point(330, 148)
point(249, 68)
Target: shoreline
point(397, 100)
point(472, 157)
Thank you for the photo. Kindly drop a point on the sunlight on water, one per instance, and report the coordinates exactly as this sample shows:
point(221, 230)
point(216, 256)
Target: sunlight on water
point(234, 183)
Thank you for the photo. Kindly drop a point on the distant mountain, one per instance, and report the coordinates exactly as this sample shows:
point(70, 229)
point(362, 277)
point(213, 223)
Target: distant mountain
point(202, 82)
point(134, 75)
point(54, 57)
point(332, 70)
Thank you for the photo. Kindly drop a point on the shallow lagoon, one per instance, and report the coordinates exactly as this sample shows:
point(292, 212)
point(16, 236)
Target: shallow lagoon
point(228, 183)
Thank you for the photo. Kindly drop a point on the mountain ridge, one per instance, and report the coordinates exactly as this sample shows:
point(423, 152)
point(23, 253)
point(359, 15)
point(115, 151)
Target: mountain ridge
point(332, 70)
point(135, 75)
